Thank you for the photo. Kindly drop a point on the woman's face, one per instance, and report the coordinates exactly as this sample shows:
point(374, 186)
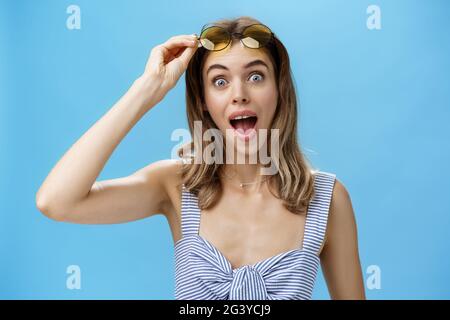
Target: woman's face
point(239, 81)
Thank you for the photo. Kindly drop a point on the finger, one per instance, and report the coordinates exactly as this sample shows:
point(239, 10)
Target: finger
point(187, 55)
point(180, 41)
point(165, 52)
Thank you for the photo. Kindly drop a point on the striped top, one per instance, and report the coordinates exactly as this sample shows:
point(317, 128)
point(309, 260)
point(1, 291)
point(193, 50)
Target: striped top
point(202, 272)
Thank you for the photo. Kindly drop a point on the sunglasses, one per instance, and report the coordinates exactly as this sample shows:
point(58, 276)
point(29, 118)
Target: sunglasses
point(216, 38)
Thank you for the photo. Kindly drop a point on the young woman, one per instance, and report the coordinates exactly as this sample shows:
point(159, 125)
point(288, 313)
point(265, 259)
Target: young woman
point(239, 233)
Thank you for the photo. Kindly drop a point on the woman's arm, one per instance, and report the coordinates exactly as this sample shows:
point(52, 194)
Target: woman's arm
point(70, 192)
point(340, 258)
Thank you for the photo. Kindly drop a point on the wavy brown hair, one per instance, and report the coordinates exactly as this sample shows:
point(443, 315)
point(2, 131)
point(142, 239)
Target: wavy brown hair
point(293, 181)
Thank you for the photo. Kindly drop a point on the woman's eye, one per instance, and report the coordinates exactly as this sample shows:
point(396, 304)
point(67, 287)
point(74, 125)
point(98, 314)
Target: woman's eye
point(257, 74)
point(220, 82)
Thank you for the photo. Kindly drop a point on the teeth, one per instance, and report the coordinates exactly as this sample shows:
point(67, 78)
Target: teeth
point(241, 117)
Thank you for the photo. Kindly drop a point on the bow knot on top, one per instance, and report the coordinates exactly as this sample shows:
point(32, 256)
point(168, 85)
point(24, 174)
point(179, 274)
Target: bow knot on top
point(266, 279)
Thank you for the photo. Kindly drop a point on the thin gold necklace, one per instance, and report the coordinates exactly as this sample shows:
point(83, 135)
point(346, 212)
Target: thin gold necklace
point(243, 184)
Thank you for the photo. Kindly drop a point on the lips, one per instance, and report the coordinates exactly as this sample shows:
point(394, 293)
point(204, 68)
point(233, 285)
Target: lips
point(244, 124)
point(243, 120)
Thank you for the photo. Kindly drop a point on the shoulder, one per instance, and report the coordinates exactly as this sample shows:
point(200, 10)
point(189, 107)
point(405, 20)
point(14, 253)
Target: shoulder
point(340, 215)
point(170, 172)
point(166, 175)
point(164, 172)
point(326, 181)
point(340, 210)
point(166, 167)
point(340, 200)
point(340, 258)
point(331, 187)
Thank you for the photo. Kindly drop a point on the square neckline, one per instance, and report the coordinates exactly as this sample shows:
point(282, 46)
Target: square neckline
point(300, 249)
point(252, 265)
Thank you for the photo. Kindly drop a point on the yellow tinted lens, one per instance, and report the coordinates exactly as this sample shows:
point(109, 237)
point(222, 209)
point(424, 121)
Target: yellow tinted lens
point(256, 36)
point(214, 38)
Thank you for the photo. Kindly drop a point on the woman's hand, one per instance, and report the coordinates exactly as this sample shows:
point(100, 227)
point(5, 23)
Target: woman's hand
point(169, 60)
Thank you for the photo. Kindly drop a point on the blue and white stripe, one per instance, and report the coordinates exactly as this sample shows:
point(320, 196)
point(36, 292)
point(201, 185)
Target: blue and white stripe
point(202, 272)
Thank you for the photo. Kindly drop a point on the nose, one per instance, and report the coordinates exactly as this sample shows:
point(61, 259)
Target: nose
point(240, 95)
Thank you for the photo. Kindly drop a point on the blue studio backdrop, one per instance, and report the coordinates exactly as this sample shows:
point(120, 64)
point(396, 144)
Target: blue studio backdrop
point(374, 109)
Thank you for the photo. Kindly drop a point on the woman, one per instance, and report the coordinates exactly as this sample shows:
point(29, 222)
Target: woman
point(265, 225)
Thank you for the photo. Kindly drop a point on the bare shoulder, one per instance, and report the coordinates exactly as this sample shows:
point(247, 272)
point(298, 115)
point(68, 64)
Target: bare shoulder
point(340, 211)
point(341, 196)
point(340, 257)
point(164, 169)
point(168, 172)
point(340, 201)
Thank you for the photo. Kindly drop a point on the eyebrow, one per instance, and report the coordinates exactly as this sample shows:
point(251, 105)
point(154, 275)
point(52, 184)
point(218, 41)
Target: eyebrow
point(248, 65)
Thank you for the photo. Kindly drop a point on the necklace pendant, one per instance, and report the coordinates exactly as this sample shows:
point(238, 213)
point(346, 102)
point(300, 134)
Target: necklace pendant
point(241, 185)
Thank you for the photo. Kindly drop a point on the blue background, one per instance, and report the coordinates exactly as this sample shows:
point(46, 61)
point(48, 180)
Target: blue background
point(374, 109)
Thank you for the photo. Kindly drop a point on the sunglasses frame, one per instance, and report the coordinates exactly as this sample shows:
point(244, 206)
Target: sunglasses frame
point(240, 36)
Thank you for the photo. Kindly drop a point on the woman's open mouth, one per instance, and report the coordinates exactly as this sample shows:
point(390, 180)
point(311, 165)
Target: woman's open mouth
point(244, 126)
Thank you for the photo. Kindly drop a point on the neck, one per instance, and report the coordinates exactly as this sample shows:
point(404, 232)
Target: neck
point(245, 177)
